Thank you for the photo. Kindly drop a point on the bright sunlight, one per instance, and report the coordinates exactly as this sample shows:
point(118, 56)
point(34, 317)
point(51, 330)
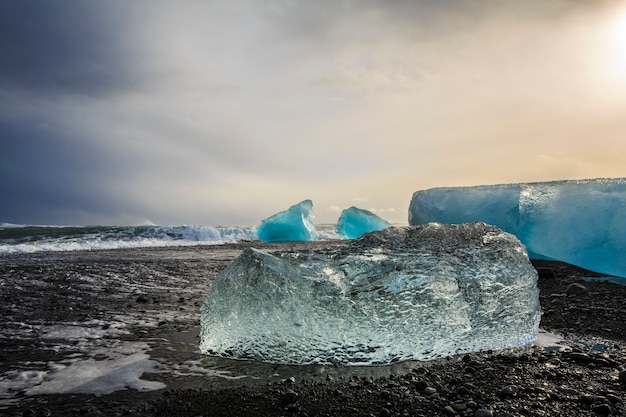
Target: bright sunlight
point(617, 44)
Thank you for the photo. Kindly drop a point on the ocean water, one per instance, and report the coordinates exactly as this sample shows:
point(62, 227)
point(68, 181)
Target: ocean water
point(35, 238)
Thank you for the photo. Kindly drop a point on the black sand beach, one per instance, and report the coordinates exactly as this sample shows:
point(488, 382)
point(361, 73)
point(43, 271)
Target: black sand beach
point(135, 313)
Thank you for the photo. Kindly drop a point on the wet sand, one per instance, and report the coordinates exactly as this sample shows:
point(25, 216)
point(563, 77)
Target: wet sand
point(131, 317)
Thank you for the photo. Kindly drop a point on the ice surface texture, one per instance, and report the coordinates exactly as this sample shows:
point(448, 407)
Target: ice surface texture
point(354, 222)
point(579, 222)
point(400, 293)
point(294, 224)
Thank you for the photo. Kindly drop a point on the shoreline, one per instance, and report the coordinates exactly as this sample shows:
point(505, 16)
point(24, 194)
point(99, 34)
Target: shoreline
point(145, 302)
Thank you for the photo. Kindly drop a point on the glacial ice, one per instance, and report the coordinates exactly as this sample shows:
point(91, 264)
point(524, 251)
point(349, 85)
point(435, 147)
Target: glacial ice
point(354, 222)
point(580, 222)
point(415, 292)
point(294, 224)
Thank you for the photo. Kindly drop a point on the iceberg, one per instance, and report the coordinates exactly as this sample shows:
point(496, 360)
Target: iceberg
point(413, 292)
point(580, 222)
point(293, 224)
point(354, 222)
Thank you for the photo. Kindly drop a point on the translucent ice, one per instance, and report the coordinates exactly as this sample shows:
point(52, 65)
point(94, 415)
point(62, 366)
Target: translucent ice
point(293, 224)
point(354, 222)
point(400, 293)
point(579, 222)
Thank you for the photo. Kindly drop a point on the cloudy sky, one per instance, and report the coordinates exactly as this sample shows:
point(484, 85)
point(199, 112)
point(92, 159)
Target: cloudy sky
point(225, 112)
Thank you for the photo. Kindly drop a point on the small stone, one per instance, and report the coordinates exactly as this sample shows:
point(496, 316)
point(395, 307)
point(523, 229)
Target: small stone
point(483, 412)
point(602, 410)
point(580, 357)
point(614, 399)
point(459, 407)
point(509, 391)
point(385, 395)
point(290, 397)
point(430, 391)
point(587, 399)
point(576, 289)
point(553, 363)
point(622, 377)
point(141, 299)
point(419, 384)
point(449, 410)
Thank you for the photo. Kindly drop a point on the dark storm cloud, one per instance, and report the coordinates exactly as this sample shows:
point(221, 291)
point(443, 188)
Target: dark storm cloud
point(51, 170)
point(51, 177)
point(68, 46)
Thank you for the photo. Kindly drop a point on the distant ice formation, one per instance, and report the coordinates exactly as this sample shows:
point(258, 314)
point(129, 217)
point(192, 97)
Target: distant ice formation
point(354, 222)
point(400, 293)
point(581, 222)
point(293, 224)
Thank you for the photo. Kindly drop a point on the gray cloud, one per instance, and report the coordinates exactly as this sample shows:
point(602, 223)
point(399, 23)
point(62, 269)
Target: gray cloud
point(66, 46)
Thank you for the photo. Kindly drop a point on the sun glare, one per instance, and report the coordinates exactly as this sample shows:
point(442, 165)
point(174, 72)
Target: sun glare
point(617, 41)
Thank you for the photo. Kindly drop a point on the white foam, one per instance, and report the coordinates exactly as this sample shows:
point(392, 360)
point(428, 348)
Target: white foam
point(78, 331)
point(547, 339)
point(96, 362)
point(196, 368)
point(98, 376)
point(117, 368)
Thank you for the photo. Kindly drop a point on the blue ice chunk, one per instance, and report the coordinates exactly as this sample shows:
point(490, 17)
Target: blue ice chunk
point(354, 222)
point(293, 224)
point(581, 222)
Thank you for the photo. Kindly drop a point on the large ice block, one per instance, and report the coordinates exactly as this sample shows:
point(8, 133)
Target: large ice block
point(581, 222)
point(400, 293)
point(294, 224)
point(354, 222)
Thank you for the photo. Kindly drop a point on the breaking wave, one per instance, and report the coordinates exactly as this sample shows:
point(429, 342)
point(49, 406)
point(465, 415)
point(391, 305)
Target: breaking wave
point(29, 239)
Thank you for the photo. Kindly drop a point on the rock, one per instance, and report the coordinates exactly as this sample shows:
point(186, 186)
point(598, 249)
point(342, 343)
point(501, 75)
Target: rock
point(509, 391)
point(613, 398)
point(419, 384)
point(430, 391)
point(459, 407)
point(602, 410)
point(290, 397)
point(449, 410)
point(553, 363)
point(384, 412)
point(580, 357)
point(622, 377)
point(576, 289)
point(483, 412)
